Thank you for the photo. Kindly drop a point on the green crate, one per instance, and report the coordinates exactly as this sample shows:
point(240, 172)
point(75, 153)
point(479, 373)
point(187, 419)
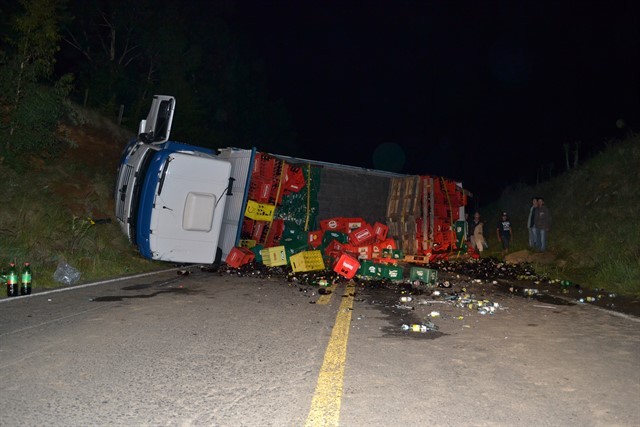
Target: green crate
point(329, 236)
point(393, 272)
point(392, 253)
point(425, 275)
point(257, 250)
point(367, 269)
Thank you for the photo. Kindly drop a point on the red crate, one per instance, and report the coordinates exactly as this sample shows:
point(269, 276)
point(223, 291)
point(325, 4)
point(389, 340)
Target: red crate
point(260, 189)
point(334, 248)
point(346, 266)
point(380, 230)
point(362, 234)
point(315, 238)
point(378, 247)
point(351, 224)
point(258, 230)
point(272, 233)
point(247, 228)
point(239, 256)
point(265, 165)
point(293, 178)
point(332, 224)
point(364, 251)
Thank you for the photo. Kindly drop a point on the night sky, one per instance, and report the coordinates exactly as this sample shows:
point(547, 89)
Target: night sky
point(479, 91)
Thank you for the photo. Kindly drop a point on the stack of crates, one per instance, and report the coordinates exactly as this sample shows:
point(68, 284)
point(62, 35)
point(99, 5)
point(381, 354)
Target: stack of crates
point(271, 178)
point(422, 212)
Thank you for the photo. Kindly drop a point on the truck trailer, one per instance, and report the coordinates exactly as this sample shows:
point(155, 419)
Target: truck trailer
point(186, 203)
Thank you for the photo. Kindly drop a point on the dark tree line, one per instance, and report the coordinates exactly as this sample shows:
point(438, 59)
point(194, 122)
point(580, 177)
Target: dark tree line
point(114, 56)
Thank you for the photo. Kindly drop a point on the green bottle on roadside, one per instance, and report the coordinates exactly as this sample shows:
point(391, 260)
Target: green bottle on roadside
point(25, 280)
point(12, 281)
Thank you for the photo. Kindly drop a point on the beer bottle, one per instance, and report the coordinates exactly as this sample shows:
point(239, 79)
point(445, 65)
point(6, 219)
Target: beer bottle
point(25, 280)
point(12, 281)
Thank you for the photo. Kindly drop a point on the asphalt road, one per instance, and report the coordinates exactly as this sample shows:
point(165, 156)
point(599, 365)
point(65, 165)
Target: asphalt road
point(211, 350)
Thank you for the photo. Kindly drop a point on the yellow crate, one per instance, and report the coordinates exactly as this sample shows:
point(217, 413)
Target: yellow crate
point(275, 256)
point(247, 243)
point(307, 261)
point(259, 211)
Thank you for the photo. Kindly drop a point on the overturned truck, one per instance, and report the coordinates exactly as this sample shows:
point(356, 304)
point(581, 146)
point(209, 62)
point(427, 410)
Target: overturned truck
point(188, 204)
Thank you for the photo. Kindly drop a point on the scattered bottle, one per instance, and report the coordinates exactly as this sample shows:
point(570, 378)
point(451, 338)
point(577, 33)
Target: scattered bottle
point(25, 280)
point(12, 281)
point(322, 282)
point(406, 299)
point(415, 328)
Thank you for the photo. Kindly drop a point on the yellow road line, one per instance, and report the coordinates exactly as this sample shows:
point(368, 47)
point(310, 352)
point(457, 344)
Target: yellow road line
point(324, 299)
point(325, 405)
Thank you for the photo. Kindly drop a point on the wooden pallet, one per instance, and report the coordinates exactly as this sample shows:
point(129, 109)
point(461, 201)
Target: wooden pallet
point(417, 259)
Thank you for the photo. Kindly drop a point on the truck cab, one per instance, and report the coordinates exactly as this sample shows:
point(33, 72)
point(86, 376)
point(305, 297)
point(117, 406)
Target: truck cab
point(170, 197)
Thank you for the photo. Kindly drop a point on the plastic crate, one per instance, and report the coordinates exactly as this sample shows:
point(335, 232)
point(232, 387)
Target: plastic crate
point(334, 248)
point(392, 253)
point(274, 257)
point(293, 178)
point(425, 275)
point(239, 256)
point(307, 261)
point(260, 189)
point(329, 236)
point(385, 244)
point(267, 166)
point(367, 269)
point(247, 243)
point(380, 230)
point(392, 272)
point(346, 266)
point(353, 223)
point(360, 251)
point(272, 233)
point(258, 230)
point(314, 238)
point(333, 224)
point(294, 246)
point(362, 234)
point(259, 211)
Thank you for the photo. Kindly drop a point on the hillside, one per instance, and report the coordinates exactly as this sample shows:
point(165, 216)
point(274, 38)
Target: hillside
point(49, 209)
point(594, 236)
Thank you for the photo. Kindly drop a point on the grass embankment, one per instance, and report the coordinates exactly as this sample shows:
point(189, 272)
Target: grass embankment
point(595, 207)
point(45, 212)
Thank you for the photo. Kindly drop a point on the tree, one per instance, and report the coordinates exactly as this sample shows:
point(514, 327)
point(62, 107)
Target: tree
point(32, 102)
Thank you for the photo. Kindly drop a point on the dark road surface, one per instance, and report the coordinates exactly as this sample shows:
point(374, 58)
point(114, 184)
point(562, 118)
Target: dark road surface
point(211, 350)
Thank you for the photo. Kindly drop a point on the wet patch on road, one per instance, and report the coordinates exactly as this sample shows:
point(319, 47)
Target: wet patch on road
point(113, 298)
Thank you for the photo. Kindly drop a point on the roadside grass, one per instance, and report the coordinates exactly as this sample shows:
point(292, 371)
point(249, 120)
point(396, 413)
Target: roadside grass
point(595, 231)
point(40, 229)
point(46, 218)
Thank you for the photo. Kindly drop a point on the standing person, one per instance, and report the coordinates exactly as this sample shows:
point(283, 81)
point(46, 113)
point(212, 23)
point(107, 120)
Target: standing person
point(503, 230)
point(531, 222)
point(477, 233)
point(542, 224)
point(467, 231)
